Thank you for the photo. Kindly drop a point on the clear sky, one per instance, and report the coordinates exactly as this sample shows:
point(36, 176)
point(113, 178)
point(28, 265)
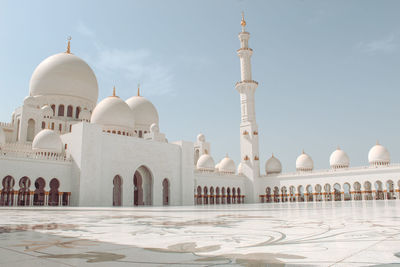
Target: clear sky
point(328, 71)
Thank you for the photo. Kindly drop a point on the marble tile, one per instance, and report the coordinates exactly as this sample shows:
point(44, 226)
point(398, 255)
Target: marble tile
point(321, 234)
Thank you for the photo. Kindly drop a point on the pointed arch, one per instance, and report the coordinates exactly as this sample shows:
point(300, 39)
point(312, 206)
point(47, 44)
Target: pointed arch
point(117, 191)
point(143, 187)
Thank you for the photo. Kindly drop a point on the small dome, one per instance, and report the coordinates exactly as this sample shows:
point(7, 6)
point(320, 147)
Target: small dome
point(339, 159)
point(205, 163)
point(201, 138)
point(47, 141)
point(84, 115)
point(47, 111)
point(240, 168)
point(217, 167)
point(64, 74)
point(114, 114)
point(144, 111)
point(227, 165)
point(29, 101)
point(304, 163)
point(378, 155)
point(2, 136)
point(273, 165)
point(154, 128)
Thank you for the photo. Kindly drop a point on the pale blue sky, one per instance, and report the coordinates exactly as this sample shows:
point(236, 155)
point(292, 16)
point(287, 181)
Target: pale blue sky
point(328, 71)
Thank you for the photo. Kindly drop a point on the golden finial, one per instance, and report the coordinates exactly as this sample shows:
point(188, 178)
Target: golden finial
point(69, 45)
point(114, 91)
point(272, 155)
point(338, 147)
point(138, 89)
point(243, 22)
point(302, 152)
point(377, 142)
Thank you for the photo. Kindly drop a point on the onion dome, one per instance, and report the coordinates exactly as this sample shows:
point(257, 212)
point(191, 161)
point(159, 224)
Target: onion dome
point(227, 165)
point(201, 138)
point(29, 101)
point(47, 111)
point(154, 128)
point(64, 74)
point(205, 163)
point(240, 168)
point(304, 163)
point(144, 111)
point(2, 136)
point(273, 165)
point(378, 155)
point(47, 141)
point(339, 159)
point(114, 115)
point(84, 115)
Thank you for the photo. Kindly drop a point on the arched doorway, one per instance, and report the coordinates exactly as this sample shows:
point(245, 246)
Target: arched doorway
point(30, 133)
point(223, 200)
point(284, 194)
point(117, 191)
point(142, 187)
point(199, 195)
point(300, 190)
point(328, 195)
point(218, 196)
point(228, 195)
point(390, 189)
point(212, 196)
point(268, 195)
point(53, 195)
point(276, 194)
point(292, 191)
point(337, 192)
point(368, 191)
point(38, 197)
point(233, 195)
point(357, 191)
point(239, 197)
point(7, 193)
point(165, 192)
point(318, 189)
point(310, 197)
point(23, 193)
point(379, 191)
point(205, 195)
point(346, 192)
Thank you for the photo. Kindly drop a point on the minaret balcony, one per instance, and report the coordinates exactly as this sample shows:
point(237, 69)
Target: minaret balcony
point(246, 81)
point(244, 49)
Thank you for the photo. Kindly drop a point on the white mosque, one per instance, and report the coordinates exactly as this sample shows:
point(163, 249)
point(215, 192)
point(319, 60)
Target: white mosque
point(62, 148)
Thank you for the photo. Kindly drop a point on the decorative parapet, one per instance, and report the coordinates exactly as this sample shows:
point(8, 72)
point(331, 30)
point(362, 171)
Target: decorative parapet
point(24, 151)
point(6, 124)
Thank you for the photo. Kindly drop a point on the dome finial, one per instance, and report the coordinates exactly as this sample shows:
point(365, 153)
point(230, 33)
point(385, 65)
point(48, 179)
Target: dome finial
point(377, 142)
point(243, 22)
point(113, 91)
point(302, 152)
point(138, 89)
point(69, 45)
point(338, 147)
point(272, 155)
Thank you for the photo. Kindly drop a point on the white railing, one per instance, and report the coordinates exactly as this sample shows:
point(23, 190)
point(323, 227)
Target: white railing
point(24, 151)
point(5, 124)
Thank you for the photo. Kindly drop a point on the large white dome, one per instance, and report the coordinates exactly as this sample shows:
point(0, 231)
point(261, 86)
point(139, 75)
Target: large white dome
point(47, 141)
point(145, 112)
point(64, 74)
point(339, 159)
point(378, 155)
point(227, 165)
point(304, 162)
point(205, 163)
point(114, 114)
point(273, 165)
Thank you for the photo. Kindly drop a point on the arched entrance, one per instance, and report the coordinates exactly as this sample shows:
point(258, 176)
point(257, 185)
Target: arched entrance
point(23, 193)
point(367, 191)
point(7, 193)
point(337, 192)
point(328, 195)
point(142, 187)
point(276, 194)
point(199, 195)
point(300, 190)
point(268, 195)
point(379, 191)
point(53, 195)
point(38, 197)
point(346, 192)
point(318, 189)
point(218, 196)
point(357, 191)
point(205, 195)
point(165, 192)
point(117, 191)
point(212, 196)
point(228, 195)
point(310, 196)
point(239, 196)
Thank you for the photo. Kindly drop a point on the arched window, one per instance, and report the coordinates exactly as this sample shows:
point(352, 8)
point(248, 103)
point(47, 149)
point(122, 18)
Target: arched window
point(205, 196)
point(212, 197)
point(117, 191)
point(223, 199)
point(53, 107)
point(53, 195)
point(165, 192)
point(61, 110)
point(30, 134)
point(218, 196)
point(69, 111)
point(196, 156)
point(52, 125)
point(239, 196)
point(228, 195)
point(43, 125)
point(199, 202)
point(78, 110)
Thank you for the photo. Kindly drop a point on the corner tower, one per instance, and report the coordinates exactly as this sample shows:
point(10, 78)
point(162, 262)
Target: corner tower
point(248, 127)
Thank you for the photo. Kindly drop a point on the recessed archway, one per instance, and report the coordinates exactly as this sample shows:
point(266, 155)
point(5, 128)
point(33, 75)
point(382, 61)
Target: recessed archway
point(166, 193)
point(23, 193)
point(117, 191)
point(142, 187)
point(38, 197)
point(7, 193)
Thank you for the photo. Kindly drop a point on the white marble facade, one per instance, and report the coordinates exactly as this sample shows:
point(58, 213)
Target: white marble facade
point(62, 148)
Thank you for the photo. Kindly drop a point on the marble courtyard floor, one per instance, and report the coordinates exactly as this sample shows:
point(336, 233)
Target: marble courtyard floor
point(359, 233)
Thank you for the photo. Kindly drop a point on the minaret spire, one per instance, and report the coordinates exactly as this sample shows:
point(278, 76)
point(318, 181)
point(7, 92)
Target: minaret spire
point(249, 149)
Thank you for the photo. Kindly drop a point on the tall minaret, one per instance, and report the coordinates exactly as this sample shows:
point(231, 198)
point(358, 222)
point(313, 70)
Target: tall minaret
point(248, 126)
